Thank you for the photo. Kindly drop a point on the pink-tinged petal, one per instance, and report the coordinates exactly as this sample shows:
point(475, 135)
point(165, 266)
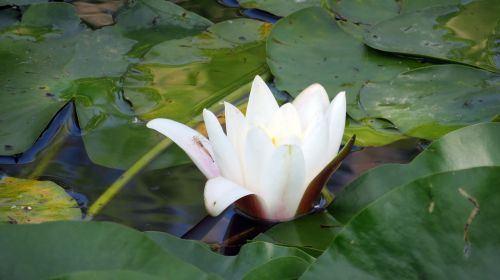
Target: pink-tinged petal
point(336, 123)
point(315, 148)
point(285, 126)
point(196, 146)
point(220, 193)
point(224, 153)
point(282, 183)
point(261, 103)
point(235, 127)
point(311, 104)
point(258, 150)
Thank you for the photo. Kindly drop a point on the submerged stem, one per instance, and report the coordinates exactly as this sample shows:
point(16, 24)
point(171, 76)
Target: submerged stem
point(104, 199)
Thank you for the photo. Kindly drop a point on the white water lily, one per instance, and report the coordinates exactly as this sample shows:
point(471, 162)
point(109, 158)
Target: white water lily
point(272, 162)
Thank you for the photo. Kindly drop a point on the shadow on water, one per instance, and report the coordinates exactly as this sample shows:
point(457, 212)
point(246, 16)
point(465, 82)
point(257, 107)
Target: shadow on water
point(169, 200)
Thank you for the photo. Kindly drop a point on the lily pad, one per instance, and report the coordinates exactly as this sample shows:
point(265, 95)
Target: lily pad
point(54, 249)
point(469, 147)
point(370, 12)
point(253, 260)
point(150, 22)
point(431, 101)
point(309, 47)
point(279, 7)
point(47, 67)
point(20, 2)
point(467, 33)
point(74, 250)
point(178, 78)
point(25, 201)
point(428, 228)
point(312, 233)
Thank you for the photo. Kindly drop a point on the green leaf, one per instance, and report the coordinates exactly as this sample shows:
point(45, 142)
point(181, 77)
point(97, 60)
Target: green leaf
point(29, 201)
point(86, 68)
point(52, 249)
point(20, 2)
point(431, 101)
point(429, 228)
point(150, 22)
point(467, 33)
point(311, 233)
point(178, 79)
point(254, 260)
point(279, 7)
point(469, 147)
point(368, 134)
point(106, 275)
point(308, 47)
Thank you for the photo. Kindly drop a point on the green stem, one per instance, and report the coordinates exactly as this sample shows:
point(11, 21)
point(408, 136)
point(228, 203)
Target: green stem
point(104, 199)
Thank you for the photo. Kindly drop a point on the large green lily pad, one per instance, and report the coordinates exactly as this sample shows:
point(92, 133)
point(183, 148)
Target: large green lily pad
point(436, 227)
point(431, 101)
point(75, 250)
point(279, 7)
point(467, 33)
point(24, 201)
point(309, 47)
point(253, 259)
point(53, 249)
point(469, 147)
point(178, 78)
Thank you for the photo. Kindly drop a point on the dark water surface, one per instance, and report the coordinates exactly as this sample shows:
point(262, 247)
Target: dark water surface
point(169, 200)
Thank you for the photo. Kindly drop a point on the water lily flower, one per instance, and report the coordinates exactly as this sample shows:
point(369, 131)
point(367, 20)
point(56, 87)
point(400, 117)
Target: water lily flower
point(273, 161)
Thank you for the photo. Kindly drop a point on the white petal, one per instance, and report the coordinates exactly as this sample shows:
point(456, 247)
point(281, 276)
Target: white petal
point(285, 126)
point(220, 193)
point(315, 148)
point(196, 146)
point(282, 182)
point(235, 126)
point(224, 153)
point(261, 103)
point(258, 151)
point(311, 104)
point(336, 123)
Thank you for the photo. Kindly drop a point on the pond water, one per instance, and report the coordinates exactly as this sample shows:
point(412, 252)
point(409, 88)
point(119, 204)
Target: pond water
point(169, 200)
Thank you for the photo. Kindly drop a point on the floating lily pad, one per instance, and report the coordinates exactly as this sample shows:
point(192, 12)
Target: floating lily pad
point(253, 260)
point(308, 47)
point(47, 69)
point(178, 78)
point(370, 12)
point(431, 101)
point(53, 249)
point(467, 33)
point(20, 2)
point(29, 201)
point(469, 147)
point(63, 250)
point(312, 233)
point(150, 22)
point(436, 227)
point(279, 7)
